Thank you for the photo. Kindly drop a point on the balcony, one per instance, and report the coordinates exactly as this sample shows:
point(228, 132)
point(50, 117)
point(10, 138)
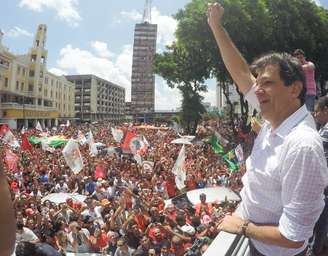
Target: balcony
point(10, 105)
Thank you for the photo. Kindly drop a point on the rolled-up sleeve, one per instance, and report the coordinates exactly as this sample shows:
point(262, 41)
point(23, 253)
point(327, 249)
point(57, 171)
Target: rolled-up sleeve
point(303, 177)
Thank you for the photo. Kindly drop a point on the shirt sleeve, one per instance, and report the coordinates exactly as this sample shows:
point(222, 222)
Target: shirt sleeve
point(303, 177)
point(252, 99)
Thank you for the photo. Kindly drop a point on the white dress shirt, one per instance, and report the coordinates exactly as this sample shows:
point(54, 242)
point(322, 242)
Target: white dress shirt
point(285, 179)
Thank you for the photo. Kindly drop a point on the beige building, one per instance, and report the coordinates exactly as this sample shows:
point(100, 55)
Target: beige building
point(97, 99)
point(28, 92)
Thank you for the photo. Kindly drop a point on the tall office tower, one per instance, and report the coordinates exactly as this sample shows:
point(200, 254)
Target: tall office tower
point(143, 77)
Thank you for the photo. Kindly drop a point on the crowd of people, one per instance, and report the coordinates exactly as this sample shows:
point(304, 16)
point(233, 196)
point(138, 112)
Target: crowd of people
point(124, 211)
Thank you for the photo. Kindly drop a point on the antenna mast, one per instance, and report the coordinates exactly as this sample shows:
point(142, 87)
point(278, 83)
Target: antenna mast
point(147, 12)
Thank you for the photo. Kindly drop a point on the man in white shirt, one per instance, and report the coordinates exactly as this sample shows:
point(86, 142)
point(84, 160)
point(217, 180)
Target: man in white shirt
point(282, 196)
point(24, 234)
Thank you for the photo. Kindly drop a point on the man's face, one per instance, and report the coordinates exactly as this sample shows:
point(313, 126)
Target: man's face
point(276, 100)
point(321, 115)
point(300, 58)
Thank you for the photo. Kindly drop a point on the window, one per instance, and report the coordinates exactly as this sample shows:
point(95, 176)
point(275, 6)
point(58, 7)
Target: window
point(17, 85)
point(22, 86)
point(6, 82)
point(18, 70)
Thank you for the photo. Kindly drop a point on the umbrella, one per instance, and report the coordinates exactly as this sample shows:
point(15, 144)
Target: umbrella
point(181, 141)
point(100, 145)
point(58, 198)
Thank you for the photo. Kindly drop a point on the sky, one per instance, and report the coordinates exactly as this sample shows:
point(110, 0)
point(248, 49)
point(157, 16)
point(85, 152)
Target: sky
point(95, 37)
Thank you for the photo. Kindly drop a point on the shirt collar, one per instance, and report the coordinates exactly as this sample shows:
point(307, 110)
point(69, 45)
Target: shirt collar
point(288, 124)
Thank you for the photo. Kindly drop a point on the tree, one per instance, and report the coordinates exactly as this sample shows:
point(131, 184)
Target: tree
point(177, 67)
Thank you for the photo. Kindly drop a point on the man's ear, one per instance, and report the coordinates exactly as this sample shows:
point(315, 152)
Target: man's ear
point(296, 89)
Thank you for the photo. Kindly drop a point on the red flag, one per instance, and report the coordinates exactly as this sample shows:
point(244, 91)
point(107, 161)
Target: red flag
point(26, 145)
point(99, 172)
point(11, 160)
point(126, 144)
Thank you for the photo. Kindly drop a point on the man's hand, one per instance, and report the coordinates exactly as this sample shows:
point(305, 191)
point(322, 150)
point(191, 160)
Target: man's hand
point(231, 224)
point(214, 14)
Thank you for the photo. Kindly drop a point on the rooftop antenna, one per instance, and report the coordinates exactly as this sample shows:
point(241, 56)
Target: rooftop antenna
point(146, 18)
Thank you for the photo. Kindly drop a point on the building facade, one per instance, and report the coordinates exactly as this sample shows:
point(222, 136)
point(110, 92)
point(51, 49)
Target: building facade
point(28, 92)
point(97, 99)
point(143, 78)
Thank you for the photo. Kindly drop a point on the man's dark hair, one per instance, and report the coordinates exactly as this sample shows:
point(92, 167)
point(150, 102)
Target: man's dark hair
point(289, 67)
point(298, 52)
point(29, 249)
point(19, 225)
point(322, 102)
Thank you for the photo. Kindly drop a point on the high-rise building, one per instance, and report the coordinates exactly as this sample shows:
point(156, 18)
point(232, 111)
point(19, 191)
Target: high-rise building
point(97, 99)
point(28, 92)
point(143, 78)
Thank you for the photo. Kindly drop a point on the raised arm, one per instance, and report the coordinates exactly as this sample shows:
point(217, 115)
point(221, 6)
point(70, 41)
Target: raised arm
point(7, 217)
point(232, 58)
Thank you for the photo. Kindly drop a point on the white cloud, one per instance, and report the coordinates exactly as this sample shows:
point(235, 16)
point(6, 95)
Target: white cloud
point(57, 72)
point(101, 49)
point(17, 31)
point(166, 98)
point(166, 28)
point(78, 61)
point(166, 25)
point(66, 10)
point(317, 2)
point(132, 15)
point(210, 96)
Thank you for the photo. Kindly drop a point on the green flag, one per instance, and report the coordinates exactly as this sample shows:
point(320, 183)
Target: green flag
point(216, 146)
point(230, 159)
point(34, 140)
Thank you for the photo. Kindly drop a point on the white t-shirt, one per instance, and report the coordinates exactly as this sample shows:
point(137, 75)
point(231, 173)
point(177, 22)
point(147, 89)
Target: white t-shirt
point(26, 236)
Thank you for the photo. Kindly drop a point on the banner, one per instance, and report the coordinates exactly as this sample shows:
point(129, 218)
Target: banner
point(100, 171)
point(179, 169)
point(45, 145)
point(8, 137)
point(216, 146)
point(11, 160)
point(26, 145)
point(118, 134)
point(92, 146)
point(239, 153)
point(81, 138)
point(231, 161)
point(38, 126)
point(73, 156)
point(147, 166)
point(126, 144)
point(139, 145)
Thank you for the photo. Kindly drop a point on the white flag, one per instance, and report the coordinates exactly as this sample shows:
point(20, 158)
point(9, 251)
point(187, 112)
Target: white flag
point(45, 145)
point(179, 169)
point(92, 145)
point(118, 134)
point(81, 138)
point(239, 153)
point(8, 137)
point(38, 126)
point(73, 156)
point(147, 166)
